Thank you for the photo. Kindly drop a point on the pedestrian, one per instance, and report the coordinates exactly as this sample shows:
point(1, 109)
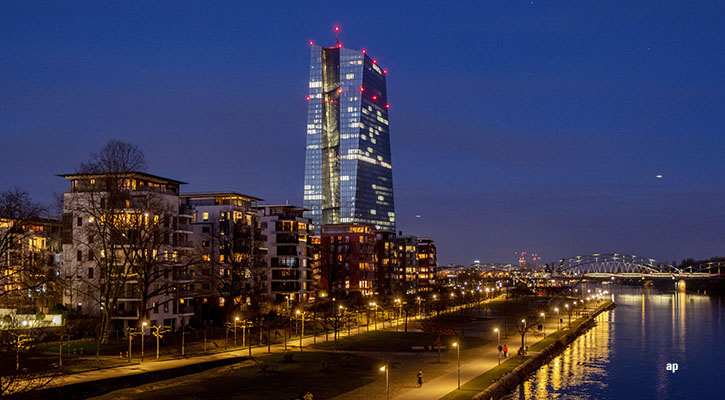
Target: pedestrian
point(420, 378)
point(505, 351)
point(500, 351)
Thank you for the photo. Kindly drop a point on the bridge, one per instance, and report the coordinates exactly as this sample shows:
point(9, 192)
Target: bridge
point(630, 266)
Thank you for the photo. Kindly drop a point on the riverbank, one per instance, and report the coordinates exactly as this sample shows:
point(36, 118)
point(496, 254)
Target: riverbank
point(501, 380)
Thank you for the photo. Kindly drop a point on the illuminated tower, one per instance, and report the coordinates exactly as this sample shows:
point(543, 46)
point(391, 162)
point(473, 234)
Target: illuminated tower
point(348, 172)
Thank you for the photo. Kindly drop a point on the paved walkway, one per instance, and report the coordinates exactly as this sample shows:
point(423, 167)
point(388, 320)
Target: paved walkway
point(441, 379)
point(151, 364)
point(486, 359)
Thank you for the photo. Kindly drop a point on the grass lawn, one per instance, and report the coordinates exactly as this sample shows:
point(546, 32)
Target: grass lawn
point(386, 341)
point(325, 375)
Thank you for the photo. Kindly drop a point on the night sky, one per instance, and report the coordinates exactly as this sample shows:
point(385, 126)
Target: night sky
point(515, 125)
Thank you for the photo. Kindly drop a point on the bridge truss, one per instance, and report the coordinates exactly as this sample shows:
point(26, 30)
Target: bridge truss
point(623, 265)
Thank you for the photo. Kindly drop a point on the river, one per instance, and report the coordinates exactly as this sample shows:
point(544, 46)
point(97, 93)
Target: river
point(626, 355)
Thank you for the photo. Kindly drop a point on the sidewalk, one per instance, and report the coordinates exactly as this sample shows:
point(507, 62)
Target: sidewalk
point(151, 364)
point(485, 360)
point(447, 383)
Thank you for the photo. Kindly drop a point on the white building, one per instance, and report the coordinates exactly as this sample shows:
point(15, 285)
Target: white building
point(126, 246)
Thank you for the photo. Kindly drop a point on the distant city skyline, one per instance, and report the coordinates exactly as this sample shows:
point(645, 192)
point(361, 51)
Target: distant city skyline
point(516, 126)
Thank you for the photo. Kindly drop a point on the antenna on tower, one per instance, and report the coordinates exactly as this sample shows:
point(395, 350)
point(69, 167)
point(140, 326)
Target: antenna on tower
point(337, 41)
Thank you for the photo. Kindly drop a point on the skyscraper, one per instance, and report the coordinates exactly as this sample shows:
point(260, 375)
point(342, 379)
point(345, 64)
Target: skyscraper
point(348, 171)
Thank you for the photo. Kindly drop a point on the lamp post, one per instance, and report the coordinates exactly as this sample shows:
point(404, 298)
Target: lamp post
point(558, 320)
point(375, 314)
point(302, 318)
point(523, 335)
point(543, 316)
point(568, 312)
point(400, 311)
point(143, 325)
point(458, 357)
point(236, 319)
point(498, 339)
point(419, 315)
point(384, 368)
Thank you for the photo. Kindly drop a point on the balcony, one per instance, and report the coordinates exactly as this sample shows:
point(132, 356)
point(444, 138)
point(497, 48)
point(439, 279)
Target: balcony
point(183, 277)
point(185, 310)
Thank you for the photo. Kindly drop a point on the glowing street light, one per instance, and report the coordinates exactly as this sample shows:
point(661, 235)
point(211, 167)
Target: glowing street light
point(384, 368)
point(458, 356)
point(236, 319)
point(143, 326)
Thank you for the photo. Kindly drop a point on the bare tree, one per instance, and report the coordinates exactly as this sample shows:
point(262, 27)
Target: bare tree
point(21, 268)
point(233, 259)
point(439, 327)
point(19, 370)
point(97, 227)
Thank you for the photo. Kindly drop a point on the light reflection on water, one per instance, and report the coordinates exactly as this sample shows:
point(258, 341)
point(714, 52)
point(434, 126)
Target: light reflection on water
point(626, 353)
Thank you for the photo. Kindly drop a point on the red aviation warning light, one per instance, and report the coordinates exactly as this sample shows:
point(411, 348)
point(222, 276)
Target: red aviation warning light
point(337, 30)
point(385, 71)
point(362, 89)
point(311, 42)
point(387, 106)
point(308, 98)
point(363, 51)
point(375, 61)
point(375, 97)
point(339, 90)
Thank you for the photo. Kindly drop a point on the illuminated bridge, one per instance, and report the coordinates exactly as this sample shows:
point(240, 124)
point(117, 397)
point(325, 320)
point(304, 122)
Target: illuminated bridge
point(630, 266)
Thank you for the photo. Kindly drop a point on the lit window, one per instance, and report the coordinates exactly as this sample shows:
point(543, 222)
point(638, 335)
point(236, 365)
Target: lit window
point(205, 216)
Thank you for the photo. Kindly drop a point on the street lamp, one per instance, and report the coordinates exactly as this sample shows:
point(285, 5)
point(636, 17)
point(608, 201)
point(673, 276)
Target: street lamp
point(400, 311)
point(498, 339)
point(236, 319)
point(143, 325)
point(375, 314)
point(418, 299)
point(569, 313)
point(558, 320)
point(523, 337)
point(384, 368)
point(302, 332)
point(458, 356)
point(543, 316)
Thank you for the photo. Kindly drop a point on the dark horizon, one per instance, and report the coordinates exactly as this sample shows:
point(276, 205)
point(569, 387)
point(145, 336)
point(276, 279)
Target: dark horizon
point(515, 126)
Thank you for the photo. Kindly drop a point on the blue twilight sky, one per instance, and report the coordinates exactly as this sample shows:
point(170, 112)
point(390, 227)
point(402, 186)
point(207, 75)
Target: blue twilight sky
point(515, 125)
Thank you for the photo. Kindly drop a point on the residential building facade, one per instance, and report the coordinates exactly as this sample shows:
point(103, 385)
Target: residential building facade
point(126, 247)
point(229, 275)
point(348, 259)
point(286, 234)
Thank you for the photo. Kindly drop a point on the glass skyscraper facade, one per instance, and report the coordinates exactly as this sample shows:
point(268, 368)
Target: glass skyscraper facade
point(348, 171)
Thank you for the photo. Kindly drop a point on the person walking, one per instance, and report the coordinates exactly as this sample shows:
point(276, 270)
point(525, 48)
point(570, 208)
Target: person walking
point(505, 351)
point(500, 351)
point(420, 378)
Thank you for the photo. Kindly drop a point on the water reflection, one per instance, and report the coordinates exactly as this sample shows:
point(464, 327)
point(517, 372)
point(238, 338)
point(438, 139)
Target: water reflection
point(581, 365)
point(626, 353)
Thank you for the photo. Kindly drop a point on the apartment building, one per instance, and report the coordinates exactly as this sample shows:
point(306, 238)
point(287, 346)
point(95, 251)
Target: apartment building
point(126, 249)
point(286, 234)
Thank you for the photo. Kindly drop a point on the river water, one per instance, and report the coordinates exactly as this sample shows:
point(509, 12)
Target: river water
point(627, 354)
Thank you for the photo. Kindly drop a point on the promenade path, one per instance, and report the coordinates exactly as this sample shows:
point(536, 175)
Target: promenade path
point(151, 364)
point(441, 379)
